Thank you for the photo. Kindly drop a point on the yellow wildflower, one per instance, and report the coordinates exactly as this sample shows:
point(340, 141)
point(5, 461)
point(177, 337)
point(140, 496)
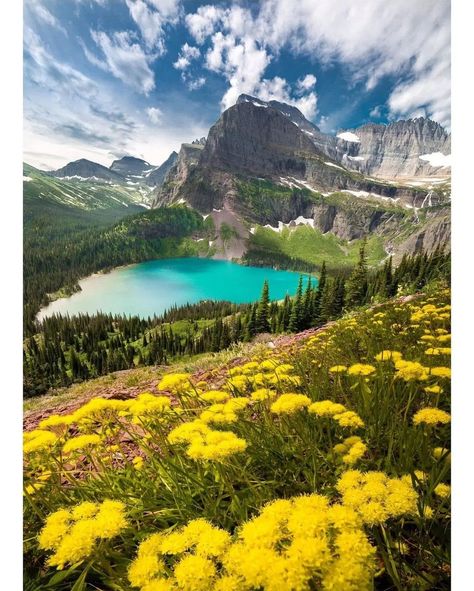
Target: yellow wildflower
point(361, 369)
point(431, 416)
point(290, 403)
point(80, 442)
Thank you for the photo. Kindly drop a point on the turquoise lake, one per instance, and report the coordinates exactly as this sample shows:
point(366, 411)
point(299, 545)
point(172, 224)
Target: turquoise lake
point(151, 288)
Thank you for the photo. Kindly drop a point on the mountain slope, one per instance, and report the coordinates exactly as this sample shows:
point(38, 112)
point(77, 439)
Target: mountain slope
point(40, 188)
point(156, 177)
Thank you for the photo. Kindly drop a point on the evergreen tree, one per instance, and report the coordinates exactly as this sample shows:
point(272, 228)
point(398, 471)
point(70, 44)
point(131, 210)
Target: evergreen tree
point(316, 307)
point(357, 283)
point(296, 316)
point(262, 323)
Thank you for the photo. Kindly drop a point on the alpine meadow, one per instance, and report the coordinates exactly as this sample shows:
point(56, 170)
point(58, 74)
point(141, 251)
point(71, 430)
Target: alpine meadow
point(236, 296)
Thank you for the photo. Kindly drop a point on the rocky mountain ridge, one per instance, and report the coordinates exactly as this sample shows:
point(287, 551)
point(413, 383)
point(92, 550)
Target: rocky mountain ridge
point(270, 142)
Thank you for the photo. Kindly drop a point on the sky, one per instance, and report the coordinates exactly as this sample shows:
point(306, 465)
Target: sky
point(110, 78)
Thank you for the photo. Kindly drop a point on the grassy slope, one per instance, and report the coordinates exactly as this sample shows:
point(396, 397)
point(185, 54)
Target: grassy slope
point(312, 246)
point(81, 194)
point(287, 455)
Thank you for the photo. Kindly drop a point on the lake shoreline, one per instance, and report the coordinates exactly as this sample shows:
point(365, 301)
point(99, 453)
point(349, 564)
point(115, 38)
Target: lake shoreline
point(172, 267)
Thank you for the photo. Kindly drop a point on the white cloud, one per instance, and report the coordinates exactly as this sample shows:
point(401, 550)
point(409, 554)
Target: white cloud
point(151, 17)
point(195, 83)
point(52, 74)
point(202, 23)
point(306, 83)
point(126, 60)
point(406, 39)
point(43, 14)
point(186, 55)
point(155, 114)
point(376, 112)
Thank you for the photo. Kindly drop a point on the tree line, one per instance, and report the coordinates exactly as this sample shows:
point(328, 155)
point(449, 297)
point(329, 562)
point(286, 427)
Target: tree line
point(64, 349)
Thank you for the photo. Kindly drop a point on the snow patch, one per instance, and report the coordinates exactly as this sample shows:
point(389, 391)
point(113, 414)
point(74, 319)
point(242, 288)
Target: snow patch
point(348, 136)
point(26, 179)
point(253, 229)
point(356, 158)
point(333, 165)
point(436, 159)
point(259, 105)
point(356, 193)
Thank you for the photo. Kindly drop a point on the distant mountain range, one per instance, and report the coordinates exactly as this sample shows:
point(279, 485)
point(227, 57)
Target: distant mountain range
point(264, 167)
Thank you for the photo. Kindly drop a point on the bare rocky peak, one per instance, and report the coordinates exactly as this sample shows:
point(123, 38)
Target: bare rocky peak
point(406, 148)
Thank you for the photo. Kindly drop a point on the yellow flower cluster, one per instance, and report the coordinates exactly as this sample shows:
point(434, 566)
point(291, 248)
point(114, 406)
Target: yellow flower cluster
point(376, 497)
point(177, 383)
point(81, 442)
point(146, 404)
point(206, 444)
point(431, 416)
point(268, 373)
point(226, 412)
point(361, 369)
point(297, 544)
point(336, 411)
point(72, 534)
point(388, 356)
point(195, 546)
point(351, 449)
point(411, 371)
point(38, 440)
point(288, 404)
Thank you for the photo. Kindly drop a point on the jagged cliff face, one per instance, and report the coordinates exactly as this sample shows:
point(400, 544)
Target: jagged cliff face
point(418, 147)
point(256, 141)
point(156, 177)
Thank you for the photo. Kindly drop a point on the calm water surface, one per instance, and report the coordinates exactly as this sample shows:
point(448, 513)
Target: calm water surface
point(153, 287)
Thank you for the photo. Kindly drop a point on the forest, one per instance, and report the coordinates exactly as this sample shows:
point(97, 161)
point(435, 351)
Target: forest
point(63, 350)
point(58, 251)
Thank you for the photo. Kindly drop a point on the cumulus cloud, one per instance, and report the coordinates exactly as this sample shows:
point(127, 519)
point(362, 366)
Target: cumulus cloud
point(186, 55)
point(404, 39)
point(155, 114)
point(126, 60)
point(195, 83)
point(306, 83)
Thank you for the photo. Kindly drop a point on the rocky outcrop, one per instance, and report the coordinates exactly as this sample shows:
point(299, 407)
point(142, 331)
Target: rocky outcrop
point(259, 140)
point(157, 176)
point(130, 166)
point(417, 147)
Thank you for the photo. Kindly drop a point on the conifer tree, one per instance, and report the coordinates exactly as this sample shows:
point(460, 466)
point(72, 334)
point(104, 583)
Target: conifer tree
point(297, 309)
point(357, 283)
point(262, 323)
point(316, 311)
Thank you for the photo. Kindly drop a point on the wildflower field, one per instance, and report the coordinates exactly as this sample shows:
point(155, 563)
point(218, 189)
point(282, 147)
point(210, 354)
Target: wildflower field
point(321, 465)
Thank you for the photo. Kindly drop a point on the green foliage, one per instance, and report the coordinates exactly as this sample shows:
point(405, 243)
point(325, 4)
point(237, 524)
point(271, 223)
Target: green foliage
point(58, 251)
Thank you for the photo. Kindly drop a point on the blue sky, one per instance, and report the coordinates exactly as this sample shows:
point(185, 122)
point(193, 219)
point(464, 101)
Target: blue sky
point(108, 78)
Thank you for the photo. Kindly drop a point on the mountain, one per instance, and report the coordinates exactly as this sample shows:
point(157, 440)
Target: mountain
point(156, 176)
point(417, 147)
point(264, 164)
point(128, 166)
point(86, 170)
point(43, 192)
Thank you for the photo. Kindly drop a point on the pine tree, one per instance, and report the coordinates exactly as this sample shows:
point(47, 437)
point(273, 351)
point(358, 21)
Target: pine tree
point(297, 310)
point(316, 307)
point(357, 283)
point(262, 323)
